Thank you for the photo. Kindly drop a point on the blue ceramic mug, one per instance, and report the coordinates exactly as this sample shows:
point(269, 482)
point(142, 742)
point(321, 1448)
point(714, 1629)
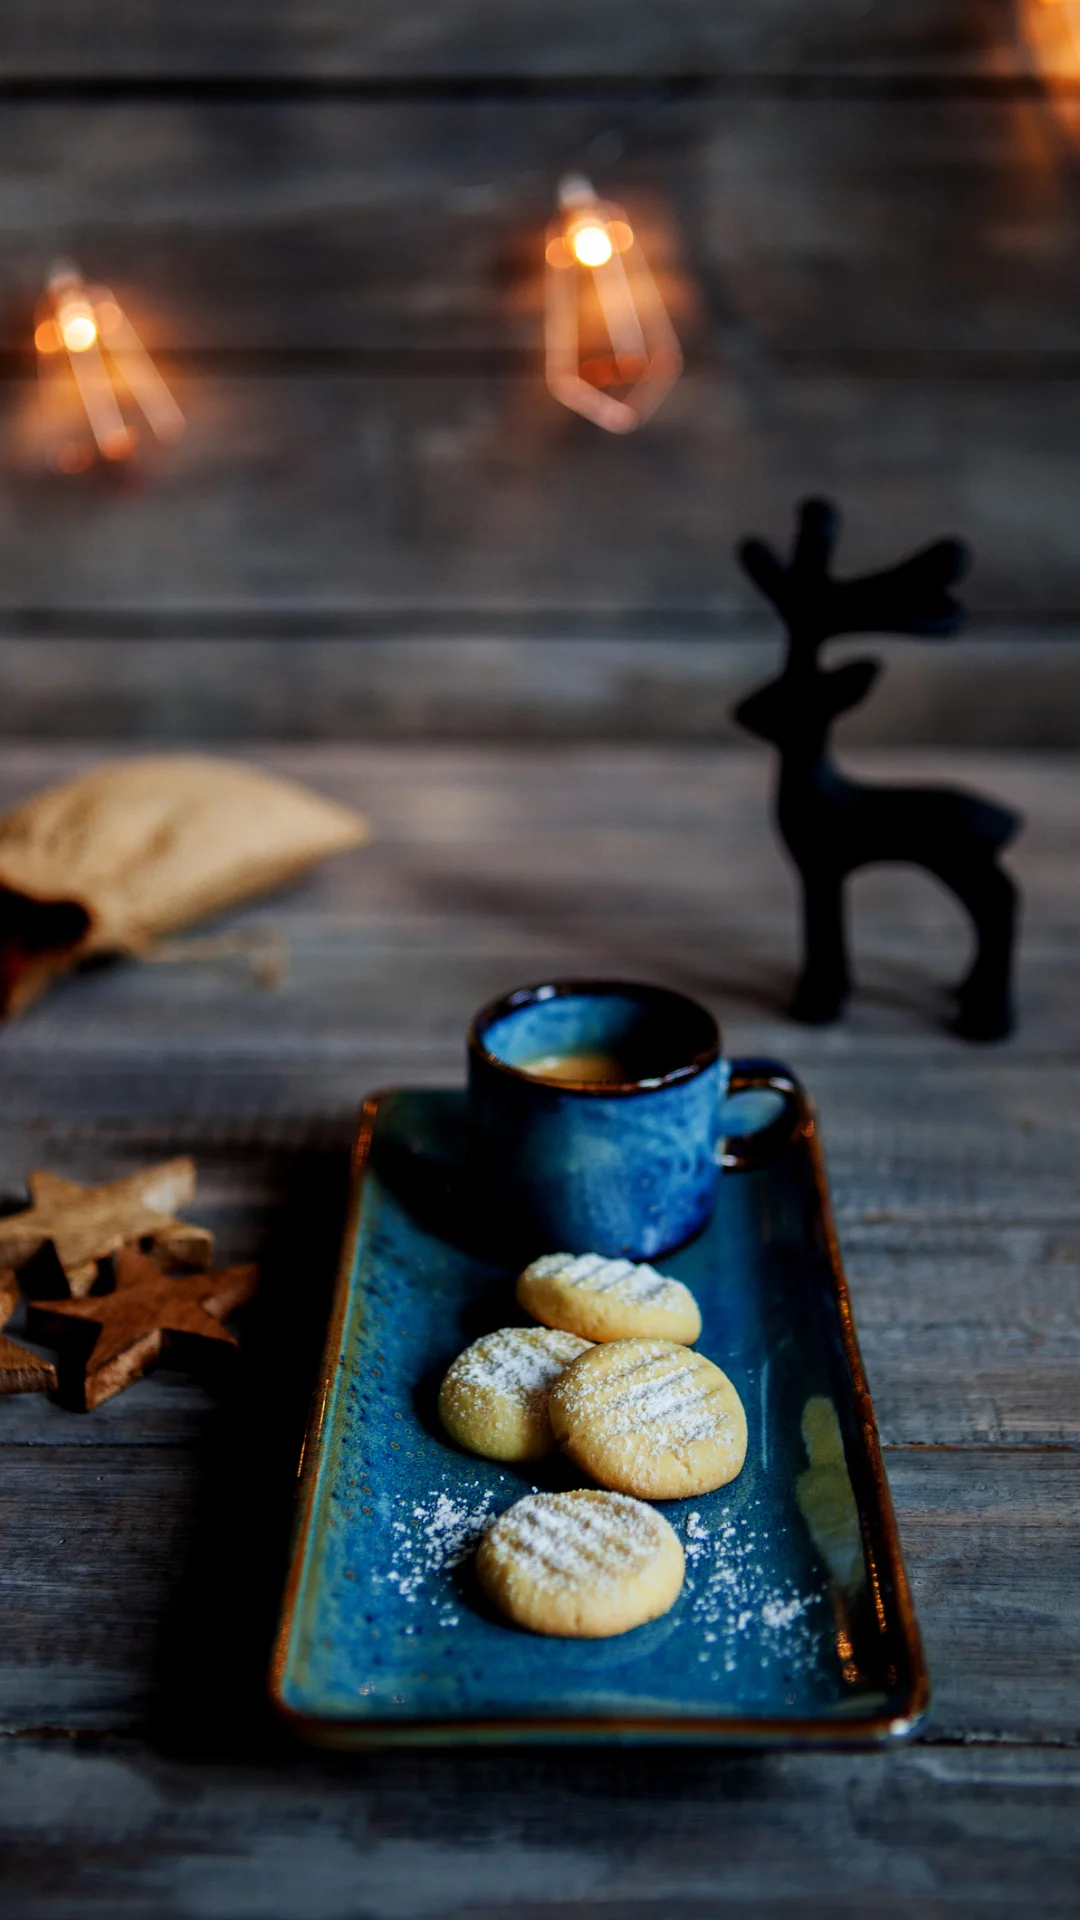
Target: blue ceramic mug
point(596, 1112)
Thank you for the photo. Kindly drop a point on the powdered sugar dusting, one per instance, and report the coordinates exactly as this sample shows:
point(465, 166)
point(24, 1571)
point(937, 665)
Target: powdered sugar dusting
point(620, 1279)
point(735, 1610)
point(521, 1362)
point(430, 1539)
point(737, 1617)
point(672, 1395)
point(778, 1613)
point(734, 1607)
point(559, 1540)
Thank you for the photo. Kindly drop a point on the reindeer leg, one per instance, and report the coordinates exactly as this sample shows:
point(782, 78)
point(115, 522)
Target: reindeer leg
point(984, 996)
point(824, 984)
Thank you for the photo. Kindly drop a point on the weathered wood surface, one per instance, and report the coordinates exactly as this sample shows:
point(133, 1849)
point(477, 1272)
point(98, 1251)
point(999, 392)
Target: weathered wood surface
point(452, 39)
point(558, 522)
point(877, 289)
point(878, 297)
point(327, 218)
point(144, 1546)
point(867, 231)
point(141, 1581)
point(1020, 689)
point(931, 1832)
point(328, 221)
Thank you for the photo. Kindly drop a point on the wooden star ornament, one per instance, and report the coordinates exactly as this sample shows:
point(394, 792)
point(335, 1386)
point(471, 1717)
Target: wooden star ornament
point(146, 1306)
point(86, 1224)
point(20, 1370)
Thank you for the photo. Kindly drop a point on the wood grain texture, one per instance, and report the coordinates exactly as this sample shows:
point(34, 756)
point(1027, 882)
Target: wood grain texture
point(145, 1547)
point(432, 1838)
point(1019, 689)
point(462, 38)
point(484, 859)
point(871, 232)
point(326, 218)
point(158, 1583)
point(970, 1329)
point(82, 1226)
point(484, 869)
point(559, 523)
point(21, 1371)
point(878, 299)
point(145, 1313)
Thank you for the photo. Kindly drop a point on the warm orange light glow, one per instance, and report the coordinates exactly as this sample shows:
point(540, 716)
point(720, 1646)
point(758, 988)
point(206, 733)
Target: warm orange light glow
point(84, 393)
point(79, 330)
point(611, 350)
point(119, 445)
point(136, 368)
point(1049, 34)
point(74, 456)
point(592, 246)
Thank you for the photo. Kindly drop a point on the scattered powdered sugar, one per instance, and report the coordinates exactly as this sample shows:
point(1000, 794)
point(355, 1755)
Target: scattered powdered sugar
point(559, 1540)
point(592, 1273)
point(732, 1603)
point(737, 1613)
point(436, 1536)
point(519, 1361)
point(776, 1613)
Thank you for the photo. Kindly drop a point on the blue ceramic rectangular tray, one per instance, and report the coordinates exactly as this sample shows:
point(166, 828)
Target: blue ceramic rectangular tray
point(795, 1623)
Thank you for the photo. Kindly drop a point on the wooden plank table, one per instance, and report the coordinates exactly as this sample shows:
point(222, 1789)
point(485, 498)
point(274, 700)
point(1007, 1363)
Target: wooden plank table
point(144, 1545)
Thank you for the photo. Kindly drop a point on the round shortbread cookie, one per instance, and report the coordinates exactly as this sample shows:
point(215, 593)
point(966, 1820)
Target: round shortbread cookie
point(583, 1565)
point(651, 1418)
point(605, 1299)
point(494, 1399)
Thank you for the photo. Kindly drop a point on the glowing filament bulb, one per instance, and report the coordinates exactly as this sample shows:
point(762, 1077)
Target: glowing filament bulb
point(88, 355)
point(76, 323)
point(592, 245)
point(611, 350)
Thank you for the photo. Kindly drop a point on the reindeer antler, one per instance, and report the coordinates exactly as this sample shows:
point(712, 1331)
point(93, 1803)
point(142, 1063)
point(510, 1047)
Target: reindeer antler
point(910, 598)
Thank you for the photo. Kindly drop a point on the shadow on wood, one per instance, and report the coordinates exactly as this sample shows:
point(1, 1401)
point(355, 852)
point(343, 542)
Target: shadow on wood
point(214, 1652)
point(831, 825)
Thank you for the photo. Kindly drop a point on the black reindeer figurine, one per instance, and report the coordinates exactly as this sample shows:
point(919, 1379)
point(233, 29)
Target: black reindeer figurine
point(832, 825)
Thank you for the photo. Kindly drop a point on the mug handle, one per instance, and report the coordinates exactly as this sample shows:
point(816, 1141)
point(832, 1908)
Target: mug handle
point(740, 1153)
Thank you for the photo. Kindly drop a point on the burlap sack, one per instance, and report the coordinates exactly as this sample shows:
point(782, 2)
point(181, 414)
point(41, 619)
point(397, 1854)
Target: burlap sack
point(113, 860)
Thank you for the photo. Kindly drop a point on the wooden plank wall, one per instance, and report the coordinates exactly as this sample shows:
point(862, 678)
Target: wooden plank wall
point(328, 221)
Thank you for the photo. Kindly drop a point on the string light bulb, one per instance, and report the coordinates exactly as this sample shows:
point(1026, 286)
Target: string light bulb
point(1049, 35)
point(611, 352)
point(90, 359)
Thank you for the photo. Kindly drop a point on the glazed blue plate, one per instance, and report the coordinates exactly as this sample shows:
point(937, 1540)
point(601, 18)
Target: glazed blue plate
point(795, 1621)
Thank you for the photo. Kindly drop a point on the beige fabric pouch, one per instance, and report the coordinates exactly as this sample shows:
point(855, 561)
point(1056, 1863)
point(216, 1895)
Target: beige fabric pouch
point(111, 861)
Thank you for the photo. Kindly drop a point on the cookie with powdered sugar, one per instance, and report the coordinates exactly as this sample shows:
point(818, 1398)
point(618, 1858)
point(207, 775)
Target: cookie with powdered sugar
point(650, 1417)
point(583, 1565)
point(603, 1299)
point(494, 1399)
